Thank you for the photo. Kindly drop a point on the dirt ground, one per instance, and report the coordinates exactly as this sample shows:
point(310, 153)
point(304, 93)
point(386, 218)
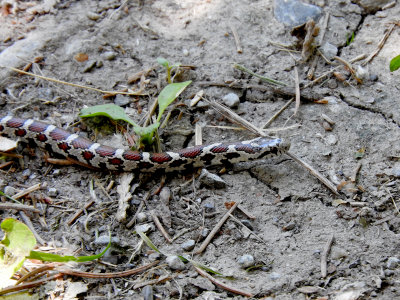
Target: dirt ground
point(289, 214)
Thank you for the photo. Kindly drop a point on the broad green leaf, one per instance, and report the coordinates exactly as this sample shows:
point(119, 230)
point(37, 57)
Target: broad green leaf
point(162, 61)
point(395, 63)
point(108, 110)
point(17, 243)
point(169, 94)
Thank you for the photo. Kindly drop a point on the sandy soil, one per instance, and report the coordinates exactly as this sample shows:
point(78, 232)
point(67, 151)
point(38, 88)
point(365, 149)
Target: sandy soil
point(292, 216)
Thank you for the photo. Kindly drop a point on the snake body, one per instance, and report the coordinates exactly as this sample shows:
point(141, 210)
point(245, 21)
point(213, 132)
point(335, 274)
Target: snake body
point(86, 152)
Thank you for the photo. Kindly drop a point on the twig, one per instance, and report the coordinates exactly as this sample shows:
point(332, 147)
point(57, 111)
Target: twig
point(28, 285)
point(198, 135)
point(297, 87)
point(4, 206)
point(235, 118)
point(269, 80)
point(237, 40)
point(314, 172)
point(139, 93)
point(222, 285)
point(357, 58)
point(216, 228)
point(160, 227)
point(323, 29)
point(380, 45)
point(34, 272)
point(27, 191)
point(80, 212)
point(324, 256)
point(108, 275)
point(28, 223)
point(278, 113)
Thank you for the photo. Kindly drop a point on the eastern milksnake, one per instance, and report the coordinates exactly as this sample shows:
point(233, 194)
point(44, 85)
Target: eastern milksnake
point(84, 151)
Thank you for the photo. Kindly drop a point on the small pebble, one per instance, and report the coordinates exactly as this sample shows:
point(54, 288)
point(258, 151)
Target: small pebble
point(93, 16)
point(326, 126)
point(52, 192)
point(89, 66)
point(246, 261)
point(331, 139)
point(121, 100)
point(355, 263)
point(141, 217)
point(211, 180)
point(338, 253)
point(10, 191)
point(26, 173)
point(185, 52)
point(56, 172)
point(145, 228)
point(175, 263)
point(362, 72)
point(204, 233)
point(295, 12)
point(188, 245)
point(289, 226)
point(209, 207)
point(104, 239)
point(231, 100)
point(247, 223)
point(329, 50)
point(274, 276)
point(109, 55)
point(392, 263)
point(154, 256)
point(147, 293)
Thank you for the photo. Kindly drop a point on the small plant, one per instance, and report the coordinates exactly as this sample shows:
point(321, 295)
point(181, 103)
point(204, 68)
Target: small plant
point(146, 134)
point(166, 64)
point(395, 63)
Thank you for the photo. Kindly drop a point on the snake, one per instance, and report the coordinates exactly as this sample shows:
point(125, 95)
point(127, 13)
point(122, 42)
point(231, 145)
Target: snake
point(83, 151)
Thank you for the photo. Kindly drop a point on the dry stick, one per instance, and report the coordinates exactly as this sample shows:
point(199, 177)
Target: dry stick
point(380, 45)
point(278, 113)
point(28, 285)
point(198, 135)
point(216, 228)
point(237, 40)
point(314, 172)
point(324, 256)
point(357, 58)
point(235, 118)
point(160, 227)
point(139, 93)
point(297, 87)
point(80, 212)
point(27, 191)
point(108, 275)
point(28, 223)
point(34, 272)
point(222, 285)
point(269, 80)
point(4, 206)
point(323, 29)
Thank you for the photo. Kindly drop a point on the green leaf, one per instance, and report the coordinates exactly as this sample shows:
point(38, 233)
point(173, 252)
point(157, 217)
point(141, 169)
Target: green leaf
point(169, 94)
point(162, 61)
point(60, 258)
point(111, 111)
point(395, 63)
point(146, 133)
point(17, 243)
point(148, 241)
